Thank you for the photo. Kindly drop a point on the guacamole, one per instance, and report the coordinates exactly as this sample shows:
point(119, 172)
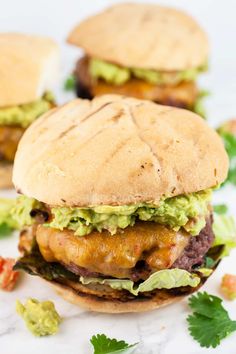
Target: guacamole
point(187, 211)
point(198, 106)
point(24, 115)
point(41, 318)
point(109, 72)
point(117, 75)
point(15, 213)
point(174, 212)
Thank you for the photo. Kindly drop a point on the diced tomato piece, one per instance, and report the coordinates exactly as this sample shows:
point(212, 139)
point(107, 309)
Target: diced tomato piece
point(8, 276)
point(228, 286)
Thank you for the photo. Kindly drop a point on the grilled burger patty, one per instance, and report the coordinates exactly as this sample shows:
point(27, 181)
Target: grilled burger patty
point(9, 139)
point(34, 263)
point(181, 95)
point(133, 253)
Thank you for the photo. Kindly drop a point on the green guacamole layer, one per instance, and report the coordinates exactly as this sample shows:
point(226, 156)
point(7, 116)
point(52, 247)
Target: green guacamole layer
point(187, 211)
point(117, 75)
point(23, 115)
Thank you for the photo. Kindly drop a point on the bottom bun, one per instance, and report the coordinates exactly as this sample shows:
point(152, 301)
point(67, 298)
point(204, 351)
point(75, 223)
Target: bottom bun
point(5, 175)
point(159, 298)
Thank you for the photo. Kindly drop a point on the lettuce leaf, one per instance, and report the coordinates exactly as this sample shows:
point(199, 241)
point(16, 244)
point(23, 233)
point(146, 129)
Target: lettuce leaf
point(163, 279)
point(229, 140)
point(34, 264)
point(224, 228)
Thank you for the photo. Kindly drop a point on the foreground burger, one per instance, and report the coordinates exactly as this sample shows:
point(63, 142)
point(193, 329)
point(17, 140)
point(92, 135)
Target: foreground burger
point(116, 207)
point(28, 66)
point(141, 50)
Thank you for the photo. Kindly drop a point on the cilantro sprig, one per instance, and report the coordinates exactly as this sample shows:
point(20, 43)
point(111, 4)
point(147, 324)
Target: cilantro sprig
point(69, 84)
point(104, 345)
point(230, 146)
point(210, 322)
point(209, 262)
point(5, 230)
point(220, 209)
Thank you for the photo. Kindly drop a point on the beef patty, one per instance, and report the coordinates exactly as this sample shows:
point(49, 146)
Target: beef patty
point(135, 253)
point(183, 94)
point(193, 254)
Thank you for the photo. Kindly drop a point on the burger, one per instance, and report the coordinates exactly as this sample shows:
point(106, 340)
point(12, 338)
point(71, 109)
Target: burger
point(144, 51)
point(28, 67)
point(116, 208)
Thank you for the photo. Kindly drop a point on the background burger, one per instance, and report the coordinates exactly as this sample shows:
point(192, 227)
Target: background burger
point(141, 50)
point(28, 68)
point(116, 202)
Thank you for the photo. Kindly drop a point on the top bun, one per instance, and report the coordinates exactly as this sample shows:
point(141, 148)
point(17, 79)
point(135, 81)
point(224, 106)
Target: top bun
point(28, 67)
point(143, 36)
point(115, 150)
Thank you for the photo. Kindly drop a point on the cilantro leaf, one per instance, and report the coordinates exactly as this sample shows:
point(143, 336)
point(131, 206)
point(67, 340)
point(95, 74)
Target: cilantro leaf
point(5, 230)
point(210, 322)
point(232, 175)
point(230, 143)
point(209, 262)
point(104, 345)
point(69, 84)
point(230, 146)
point(220, 208)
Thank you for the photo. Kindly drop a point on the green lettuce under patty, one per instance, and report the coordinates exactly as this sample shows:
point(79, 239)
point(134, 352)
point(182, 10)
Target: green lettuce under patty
point(163, 279)
point(117, 75)
point(23, 115)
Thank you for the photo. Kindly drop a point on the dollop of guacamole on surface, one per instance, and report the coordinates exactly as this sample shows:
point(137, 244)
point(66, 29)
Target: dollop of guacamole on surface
point(41, 318)
point(24, 115)
point(117, 75)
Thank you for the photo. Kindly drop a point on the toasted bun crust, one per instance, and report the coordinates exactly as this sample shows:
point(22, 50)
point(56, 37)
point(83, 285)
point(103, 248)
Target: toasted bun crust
point(5, 176)
point(97, 300)
point(116, 150)
point(28, 67)
point(143, 35)
point(100, 304)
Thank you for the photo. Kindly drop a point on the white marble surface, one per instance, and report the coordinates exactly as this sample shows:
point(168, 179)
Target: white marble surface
point(163, 331)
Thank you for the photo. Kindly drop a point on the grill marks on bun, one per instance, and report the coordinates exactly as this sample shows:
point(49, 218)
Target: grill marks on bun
point(115, 150)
